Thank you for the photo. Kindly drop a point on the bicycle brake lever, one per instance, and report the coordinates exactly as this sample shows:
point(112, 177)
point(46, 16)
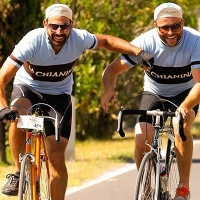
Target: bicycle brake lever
point(180, 127)
point(120, 123)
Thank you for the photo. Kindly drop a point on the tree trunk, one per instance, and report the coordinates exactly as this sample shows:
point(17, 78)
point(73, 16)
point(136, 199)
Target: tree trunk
point(3, 157)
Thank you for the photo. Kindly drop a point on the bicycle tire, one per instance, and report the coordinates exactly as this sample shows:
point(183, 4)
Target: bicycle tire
point(44, 185)
point(172, 171)
point(25, 190)
point(43, 170)
point(146, 179)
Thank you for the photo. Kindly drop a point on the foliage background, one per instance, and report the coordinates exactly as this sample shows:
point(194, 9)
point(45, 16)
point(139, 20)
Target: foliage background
point(122, 18)
point(125, 19)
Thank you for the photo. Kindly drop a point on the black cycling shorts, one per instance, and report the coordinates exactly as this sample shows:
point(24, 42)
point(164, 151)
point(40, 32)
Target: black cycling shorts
point(151, 101)
point(61, 103)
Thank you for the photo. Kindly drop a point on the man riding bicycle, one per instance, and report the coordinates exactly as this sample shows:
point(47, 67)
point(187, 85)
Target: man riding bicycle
point(42, 65)
point(176, 51)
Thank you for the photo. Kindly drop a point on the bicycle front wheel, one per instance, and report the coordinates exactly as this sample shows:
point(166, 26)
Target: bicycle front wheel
point(146, 180)
point(25, 189)
point(172, 171)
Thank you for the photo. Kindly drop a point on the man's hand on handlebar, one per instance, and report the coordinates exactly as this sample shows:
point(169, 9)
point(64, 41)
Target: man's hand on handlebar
point(8, 115)
point(186, 113)
point(145, 59)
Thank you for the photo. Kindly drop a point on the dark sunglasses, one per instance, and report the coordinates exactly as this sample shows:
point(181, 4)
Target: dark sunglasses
point(173, 28)
point(55, 27)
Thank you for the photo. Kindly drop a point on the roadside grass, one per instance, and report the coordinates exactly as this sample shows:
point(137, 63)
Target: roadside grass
point(92, 159)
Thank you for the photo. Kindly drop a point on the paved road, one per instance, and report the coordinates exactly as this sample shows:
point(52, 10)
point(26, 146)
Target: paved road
point(119, 185)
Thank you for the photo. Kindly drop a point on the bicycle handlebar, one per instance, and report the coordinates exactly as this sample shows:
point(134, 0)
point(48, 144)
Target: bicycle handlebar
point(7, 114)
point(152, 113)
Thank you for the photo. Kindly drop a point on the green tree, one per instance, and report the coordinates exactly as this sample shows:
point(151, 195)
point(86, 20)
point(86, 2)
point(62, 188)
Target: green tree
point(16, 18)
point(125, 19)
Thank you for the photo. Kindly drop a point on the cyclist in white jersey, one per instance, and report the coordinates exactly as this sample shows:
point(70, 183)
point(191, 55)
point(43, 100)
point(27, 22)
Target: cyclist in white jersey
point(176, 51)
point(42, 65)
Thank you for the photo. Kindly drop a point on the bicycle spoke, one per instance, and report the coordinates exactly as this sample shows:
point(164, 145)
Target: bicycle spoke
point(173, 175)
point(25, 191)
point(146, 180)
point(44, 181)
point(43, 171)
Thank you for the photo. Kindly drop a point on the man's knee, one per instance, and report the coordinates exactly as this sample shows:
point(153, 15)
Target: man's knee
point(57, 158)
point(21, 104)
point(188, 124)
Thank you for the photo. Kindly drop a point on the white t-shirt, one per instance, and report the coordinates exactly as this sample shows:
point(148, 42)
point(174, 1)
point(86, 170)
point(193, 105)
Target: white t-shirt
point(171, 73)
point(48, 72)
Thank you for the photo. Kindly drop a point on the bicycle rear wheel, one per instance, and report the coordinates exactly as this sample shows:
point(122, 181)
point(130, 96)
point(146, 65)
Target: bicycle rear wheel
point(172, 171)
point(146, 180)
point(25, 190)
point(44, 179)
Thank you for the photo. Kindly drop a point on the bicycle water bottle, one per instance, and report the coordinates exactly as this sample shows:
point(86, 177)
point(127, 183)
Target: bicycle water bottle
point(164, 179)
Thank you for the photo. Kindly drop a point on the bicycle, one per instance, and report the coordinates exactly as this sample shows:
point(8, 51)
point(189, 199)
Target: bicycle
point(158, 175)
point(34, 172)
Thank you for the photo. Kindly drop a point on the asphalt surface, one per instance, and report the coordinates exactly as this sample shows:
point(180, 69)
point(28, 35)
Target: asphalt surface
point(120, 184)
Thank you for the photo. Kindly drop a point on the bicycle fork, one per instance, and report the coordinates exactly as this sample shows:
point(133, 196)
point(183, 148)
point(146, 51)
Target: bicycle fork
point(35, 161)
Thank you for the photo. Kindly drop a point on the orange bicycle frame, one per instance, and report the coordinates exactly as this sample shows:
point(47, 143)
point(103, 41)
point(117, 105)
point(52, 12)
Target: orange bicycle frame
point(39, 146)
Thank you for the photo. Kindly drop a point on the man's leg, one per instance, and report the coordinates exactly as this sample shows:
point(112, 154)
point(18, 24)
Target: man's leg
point(141, 136)
point(184, 151)
point(17, 142)
point(17, 145)
point(58, 169)
point(17, 136)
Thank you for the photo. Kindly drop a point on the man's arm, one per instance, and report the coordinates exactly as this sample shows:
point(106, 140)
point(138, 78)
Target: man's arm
point(122, 46)
point(193, 97)
point(7, 72)
point(116, 45)
point(109, 78)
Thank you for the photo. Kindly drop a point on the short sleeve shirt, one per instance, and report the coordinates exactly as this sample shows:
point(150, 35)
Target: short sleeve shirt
point(42, 69)
point(171, 73)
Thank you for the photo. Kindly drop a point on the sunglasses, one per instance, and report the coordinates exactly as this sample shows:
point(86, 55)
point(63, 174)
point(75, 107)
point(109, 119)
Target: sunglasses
point(173, 28)
point(55, 27)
